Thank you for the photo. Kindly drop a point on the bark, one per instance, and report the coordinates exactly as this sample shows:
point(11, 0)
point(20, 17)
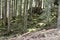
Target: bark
point(3, 11)
point(20, 7)
point(38, 3)
point(58, 20)
point(1, 8)
point(25, 14)
point(13, 8)
point(42, 4)
point(8, 15)
point(31, 5)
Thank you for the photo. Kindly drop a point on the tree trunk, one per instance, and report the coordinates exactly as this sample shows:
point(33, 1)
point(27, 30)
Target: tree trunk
point(58, 20)
point(42, 4)
point(8, 15)
point(20, 7)
point(25, 14)
point(1, 9)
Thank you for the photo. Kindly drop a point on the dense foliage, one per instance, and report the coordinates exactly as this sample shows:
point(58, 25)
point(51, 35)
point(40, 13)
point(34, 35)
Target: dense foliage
point(23, 17)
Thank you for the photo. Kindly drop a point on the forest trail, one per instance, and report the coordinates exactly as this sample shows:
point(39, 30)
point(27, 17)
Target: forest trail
point(51, 34)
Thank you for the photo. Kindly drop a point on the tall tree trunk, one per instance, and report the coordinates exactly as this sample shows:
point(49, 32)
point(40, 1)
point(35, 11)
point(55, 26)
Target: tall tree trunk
point(42, 4)
point(17, 7)
point(58, 20)
point(13, 8)
point(8, 15)
point(20, 7)
point(1, 9)
point(30, 6)
point(25, 14)
point(4, 11)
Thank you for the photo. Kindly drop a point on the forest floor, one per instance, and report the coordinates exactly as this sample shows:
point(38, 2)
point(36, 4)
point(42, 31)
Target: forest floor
point(51, 34)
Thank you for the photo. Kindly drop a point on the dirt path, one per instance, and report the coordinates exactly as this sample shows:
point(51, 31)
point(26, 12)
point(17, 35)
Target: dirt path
point(52, 34)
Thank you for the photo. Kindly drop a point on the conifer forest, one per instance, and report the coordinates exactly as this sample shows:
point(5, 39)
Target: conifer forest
point(18, 17)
